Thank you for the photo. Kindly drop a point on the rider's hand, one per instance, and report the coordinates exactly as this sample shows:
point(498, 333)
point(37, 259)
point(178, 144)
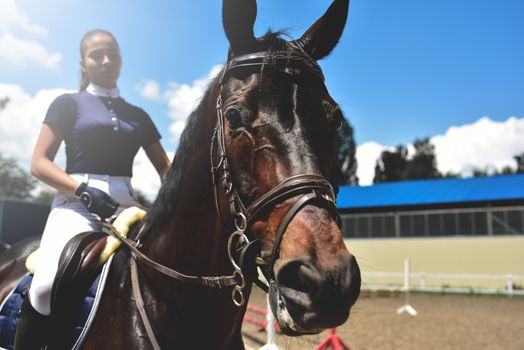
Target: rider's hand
point(96, 201)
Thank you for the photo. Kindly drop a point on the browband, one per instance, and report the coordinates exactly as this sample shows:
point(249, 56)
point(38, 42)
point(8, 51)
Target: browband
point(292, 63)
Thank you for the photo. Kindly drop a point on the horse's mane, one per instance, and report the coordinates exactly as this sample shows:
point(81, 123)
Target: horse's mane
point(167, 198)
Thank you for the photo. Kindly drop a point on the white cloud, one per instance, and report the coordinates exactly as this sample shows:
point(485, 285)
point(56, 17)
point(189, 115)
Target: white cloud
point(367, 155)
point(21, 120)
point(176, 129)
point(20, 123)
point(145, 177)
point(11, 17)
point(150, 89)
point(484, 144)
point(24, 52)
point(180, 98)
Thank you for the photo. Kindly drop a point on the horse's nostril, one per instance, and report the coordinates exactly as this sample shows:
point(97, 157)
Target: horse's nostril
point(318, 298)
point(340, 286)
point(300, 276)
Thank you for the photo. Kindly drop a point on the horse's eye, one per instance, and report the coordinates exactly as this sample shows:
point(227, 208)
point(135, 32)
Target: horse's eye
point(233, 117)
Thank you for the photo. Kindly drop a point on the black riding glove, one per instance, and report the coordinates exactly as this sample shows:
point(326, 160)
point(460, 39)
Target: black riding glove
point(96, 201)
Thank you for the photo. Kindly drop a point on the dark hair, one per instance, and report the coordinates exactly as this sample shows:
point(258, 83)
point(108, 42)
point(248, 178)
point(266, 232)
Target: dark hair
point(84, 82)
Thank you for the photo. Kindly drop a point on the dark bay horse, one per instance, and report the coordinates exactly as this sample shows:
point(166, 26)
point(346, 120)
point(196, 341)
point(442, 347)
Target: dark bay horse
point(249, 186)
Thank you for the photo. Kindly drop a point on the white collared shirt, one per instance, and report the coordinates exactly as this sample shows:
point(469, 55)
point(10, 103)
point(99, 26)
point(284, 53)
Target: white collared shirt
point(96, 90)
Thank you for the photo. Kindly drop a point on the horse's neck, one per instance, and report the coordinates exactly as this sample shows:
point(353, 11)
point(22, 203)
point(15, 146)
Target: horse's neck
point(191, 240)
point(191, 237)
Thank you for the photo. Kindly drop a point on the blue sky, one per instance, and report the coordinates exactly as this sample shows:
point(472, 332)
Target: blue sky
point(402, 70)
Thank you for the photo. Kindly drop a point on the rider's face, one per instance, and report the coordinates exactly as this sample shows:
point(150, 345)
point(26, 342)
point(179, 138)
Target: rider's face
point(101, 61)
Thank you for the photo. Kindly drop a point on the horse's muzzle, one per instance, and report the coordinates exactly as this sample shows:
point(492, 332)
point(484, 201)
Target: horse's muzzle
point(307, 299)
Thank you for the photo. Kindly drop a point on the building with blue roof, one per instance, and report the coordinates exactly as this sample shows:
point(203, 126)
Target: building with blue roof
point(470, 227)
point(478, 206)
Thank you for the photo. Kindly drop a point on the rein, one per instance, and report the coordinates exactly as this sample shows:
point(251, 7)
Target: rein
point(137, 255)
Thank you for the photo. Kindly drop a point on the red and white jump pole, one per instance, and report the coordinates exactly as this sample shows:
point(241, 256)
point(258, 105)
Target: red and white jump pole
point(332, 342)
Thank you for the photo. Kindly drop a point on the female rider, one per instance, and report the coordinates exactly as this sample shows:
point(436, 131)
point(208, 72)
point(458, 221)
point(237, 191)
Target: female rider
point(102, 134)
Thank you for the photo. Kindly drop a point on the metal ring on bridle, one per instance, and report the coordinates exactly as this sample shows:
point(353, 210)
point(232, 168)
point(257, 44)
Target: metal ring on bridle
point(240, 221)
point(240, 277)
point(237, 296)
point(239, 239)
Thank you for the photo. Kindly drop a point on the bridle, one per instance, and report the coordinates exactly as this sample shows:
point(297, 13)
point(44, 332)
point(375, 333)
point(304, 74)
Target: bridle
point(309, 188)
point(245, 255)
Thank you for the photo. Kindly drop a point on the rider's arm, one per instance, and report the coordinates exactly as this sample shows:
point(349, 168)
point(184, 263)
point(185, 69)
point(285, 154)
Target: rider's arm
point(42, 162)
point(44, 168)
point(158, 157)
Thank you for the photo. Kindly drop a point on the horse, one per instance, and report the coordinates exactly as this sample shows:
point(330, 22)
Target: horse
point(251, 186)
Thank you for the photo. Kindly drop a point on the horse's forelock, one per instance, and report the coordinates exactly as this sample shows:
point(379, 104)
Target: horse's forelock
point(271, 41)
point(274, 41)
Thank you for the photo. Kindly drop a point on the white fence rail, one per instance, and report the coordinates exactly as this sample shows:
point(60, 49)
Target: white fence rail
point(513, 282)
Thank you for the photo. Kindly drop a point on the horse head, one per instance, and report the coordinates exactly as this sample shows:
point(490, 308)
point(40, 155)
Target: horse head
point(277, 124)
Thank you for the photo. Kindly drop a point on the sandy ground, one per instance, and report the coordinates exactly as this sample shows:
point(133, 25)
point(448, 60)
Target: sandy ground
point(444, 322)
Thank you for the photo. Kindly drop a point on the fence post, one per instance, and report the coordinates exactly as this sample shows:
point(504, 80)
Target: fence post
point(407, 276)
point(510, 284)
point(423, 280)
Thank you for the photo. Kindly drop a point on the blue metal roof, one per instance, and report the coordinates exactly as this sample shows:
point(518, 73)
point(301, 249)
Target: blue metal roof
point(438, 191)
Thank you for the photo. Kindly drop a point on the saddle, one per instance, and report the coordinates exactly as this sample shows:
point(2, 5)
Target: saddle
point(76, 272)
point(79, 267)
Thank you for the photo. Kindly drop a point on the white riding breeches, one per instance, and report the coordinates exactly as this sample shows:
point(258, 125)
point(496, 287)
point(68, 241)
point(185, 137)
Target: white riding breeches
point(67, 218)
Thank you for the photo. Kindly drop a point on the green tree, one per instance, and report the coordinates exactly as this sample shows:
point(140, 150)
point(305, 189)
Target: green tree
point(45, 196)
point(519, 158)
point(478, 172)
point(396, 166)
point(15, 182)
point(392, 165)
point(346, 159)
point(519, 168)
point(451, 175)
point(423, 164)
point(506, 171)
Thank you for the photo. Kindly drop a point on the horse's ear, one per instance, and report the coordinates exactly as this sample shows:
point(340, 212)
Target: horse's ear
point(238, 18)
point(323, 35)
